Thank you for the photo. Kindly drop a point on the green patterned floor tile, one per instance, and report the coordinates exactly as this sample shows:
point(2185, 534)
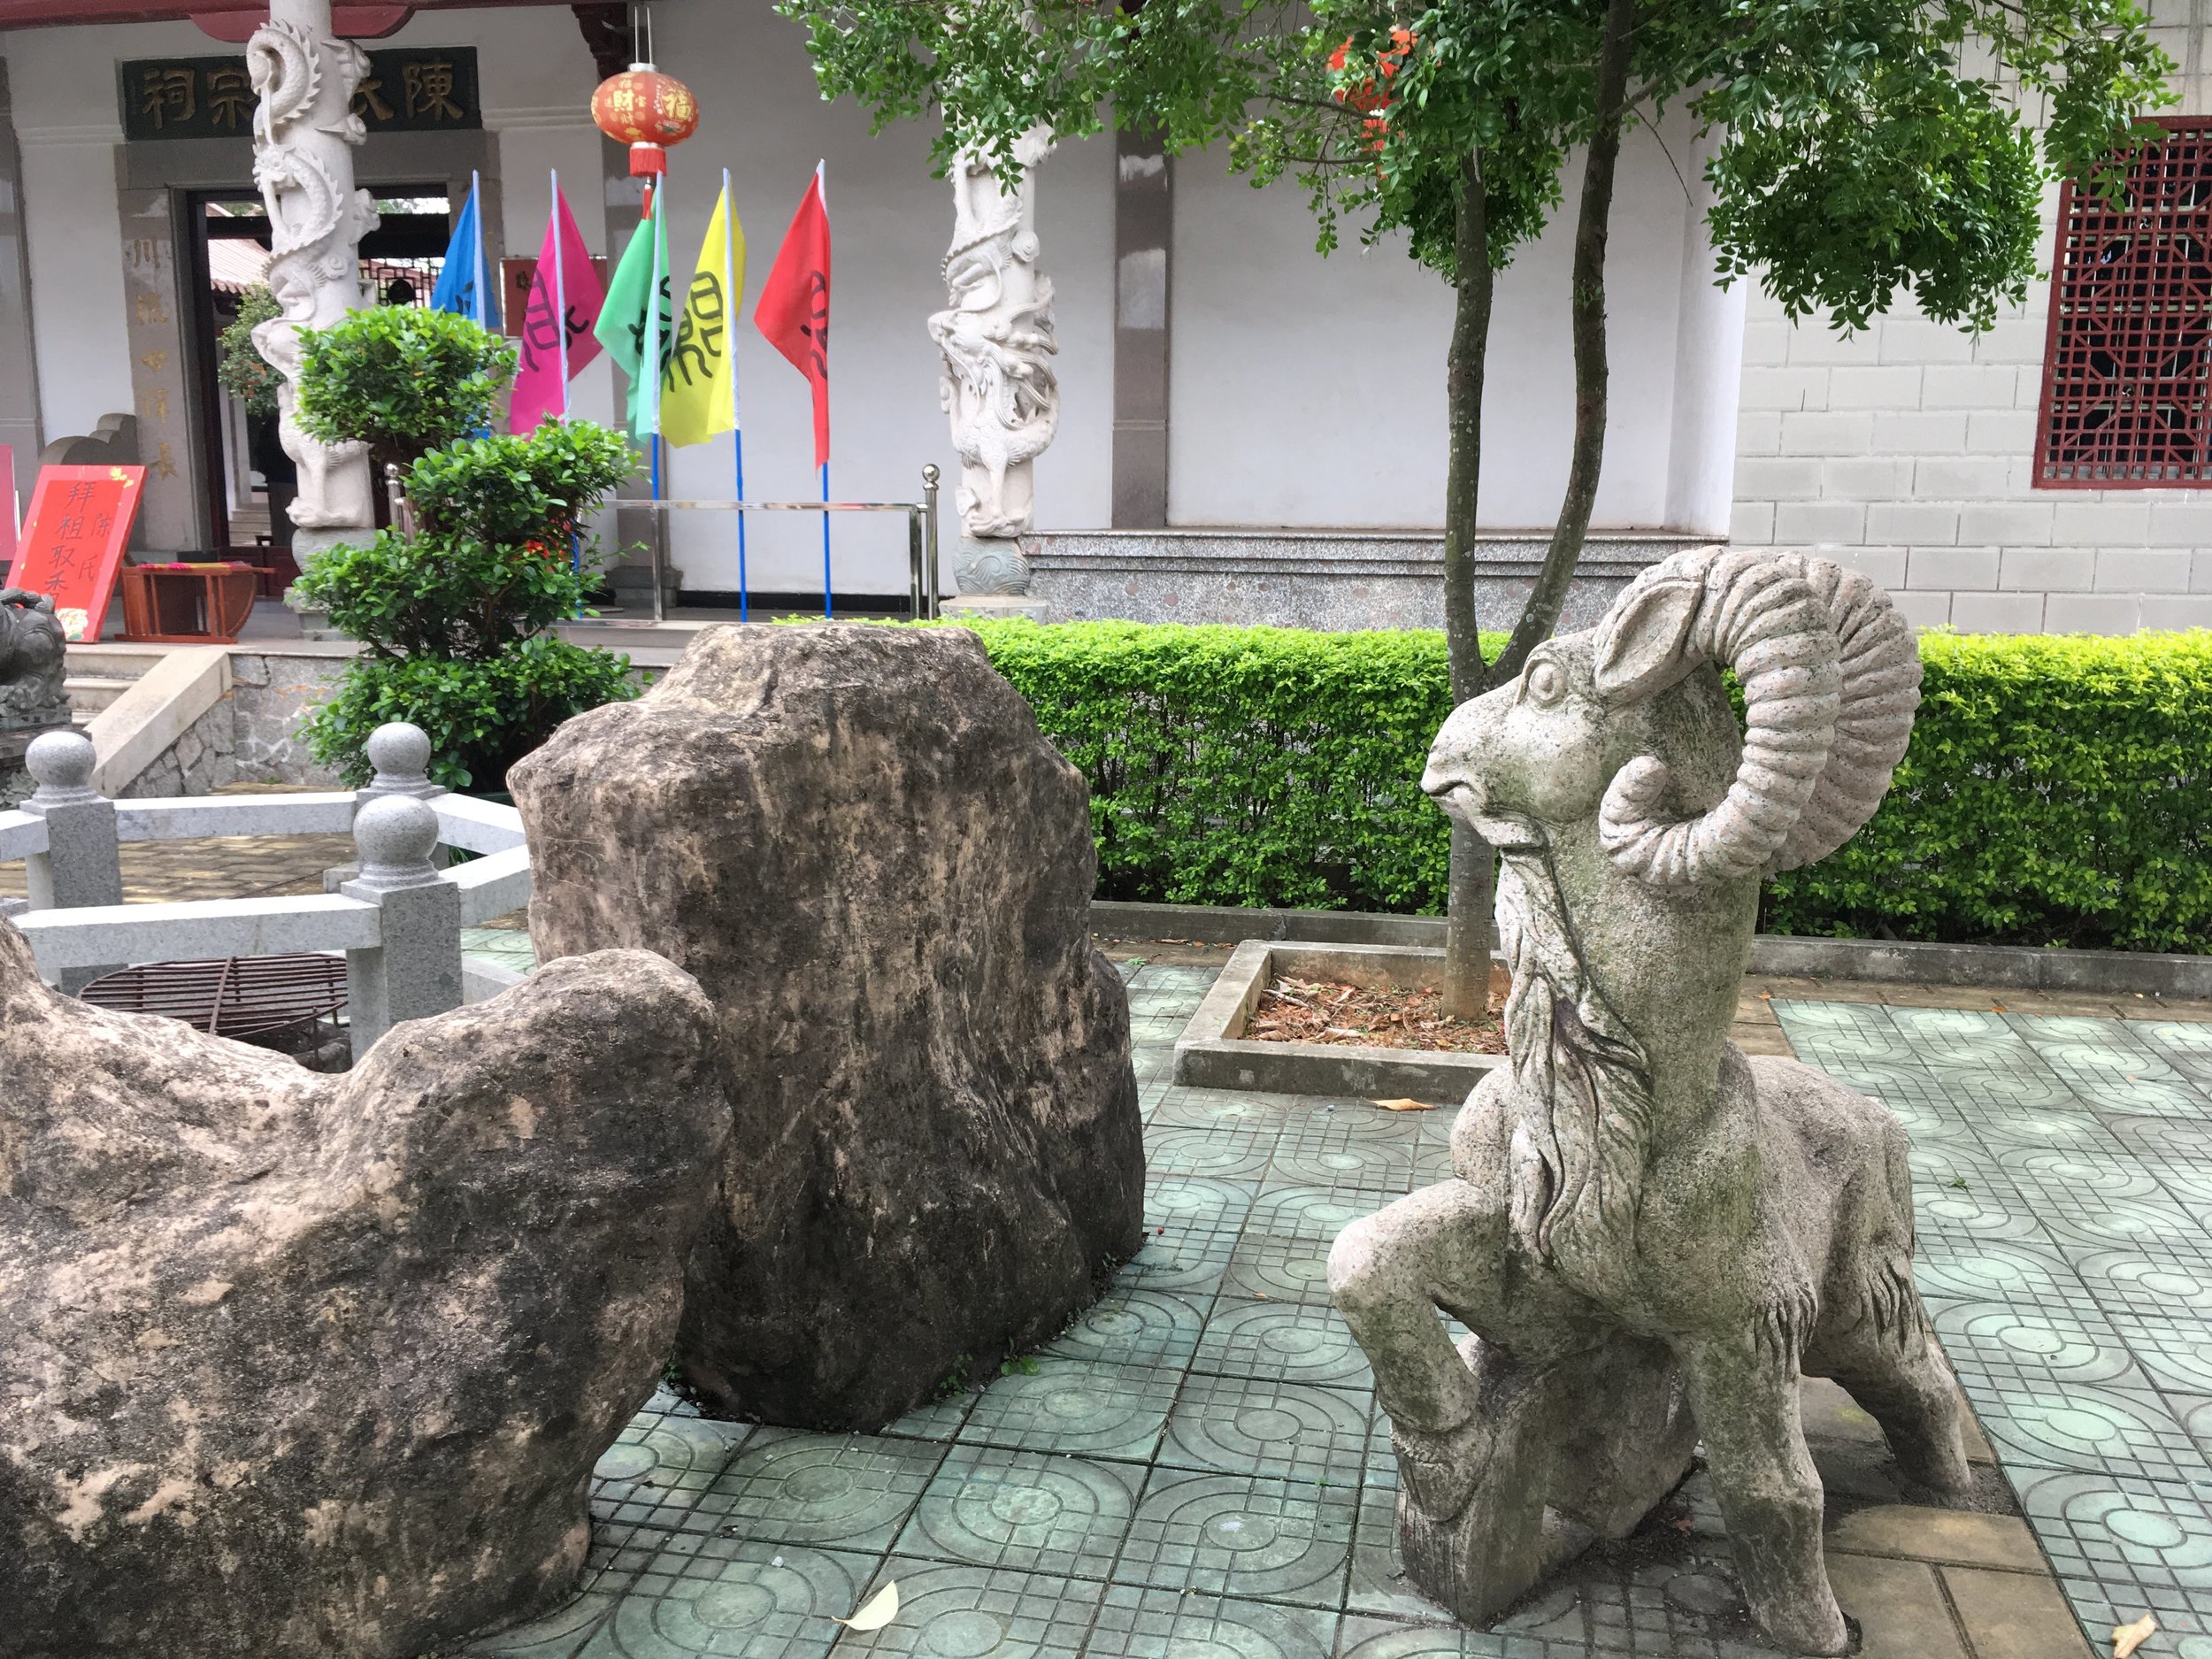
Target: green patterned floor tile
point(1378, 1584)
point(1024, 1512)
point(2070, 1128)
point(2129, 1535)
point(2161, 1141)
point(2175, 1354)
point(2021, 1272)
point(1232, 1534)
point(1985, 1095)
point(1199, 1206)
point(1137, 1623)
point(556, 1636)
point(1217, 1109)
point(735, 1599)
point(1295, 1342)
point(1965, 1195)
point(1960, 1037)
point(961, 1612)
point(2089, 1428)
point(1363, 1637)
point(1317, 1213)
point(939, 1420)
point(2099, 1201)
point(1126, 1326)
point(847, 1492)
point(2146, 1284)
point(1271, 1269)
point(2189, 1184)
point(660, 1467)
point(2002, 1345)
point(1218, 1154)
point(1371, 1165)
point(1240, 1425)
point(1082, 1408)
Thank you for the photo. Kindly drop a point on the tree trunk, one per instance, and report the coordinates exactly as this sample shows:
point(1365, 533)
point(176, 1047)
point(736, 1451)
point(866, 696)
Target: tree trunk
point(1467, 937)
point(1588, 313)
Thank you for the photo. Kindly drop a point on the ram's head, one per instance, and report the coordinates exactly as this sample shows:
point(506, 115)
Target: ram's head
point(1623, 723)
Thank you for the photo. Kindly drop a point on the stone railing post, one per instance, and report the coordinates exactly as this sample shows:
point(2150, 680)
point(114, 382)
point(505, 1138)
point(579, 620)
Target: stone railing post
point(416, 971)
point(82, 864)
point(400, 754)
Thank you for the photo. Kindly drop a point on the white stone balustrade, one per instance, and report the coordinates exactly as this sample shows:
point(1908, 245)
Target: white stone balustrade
point(399, 921)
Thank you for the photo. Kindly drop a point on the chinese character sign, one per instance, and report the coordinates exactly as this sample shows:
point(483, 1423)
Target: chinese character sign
point(71, 545)
point(406, 89)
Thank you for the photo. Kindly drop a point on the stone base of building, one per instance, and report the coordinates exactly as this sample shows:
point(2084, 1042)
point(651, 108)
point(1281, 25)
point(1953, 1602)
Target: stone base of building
point(1315, 578)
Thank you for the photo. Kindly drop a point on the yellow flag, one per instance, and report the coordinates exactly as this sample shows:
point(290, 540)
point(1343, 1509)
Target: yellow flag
point(699, 389)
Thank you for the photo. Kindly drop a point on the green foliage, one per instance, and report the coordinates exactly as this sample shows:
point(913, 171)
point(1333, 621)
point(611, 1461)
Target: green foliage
point(1859, 146)
point(454, 615)
point(492, 564)
point(481, 716)
point(1250, 766)
point(2058, 790)
point(400, 379)
point(239, 367)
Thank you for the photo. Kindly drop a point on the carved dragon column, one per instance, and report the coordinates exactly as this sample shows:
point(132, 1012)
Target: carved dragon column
point(305, 130)
point(999, 390)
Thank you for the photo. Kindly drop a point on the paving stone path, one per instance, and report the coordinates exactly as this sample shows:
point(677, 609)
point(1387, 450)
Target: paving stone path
point(1196, 1469)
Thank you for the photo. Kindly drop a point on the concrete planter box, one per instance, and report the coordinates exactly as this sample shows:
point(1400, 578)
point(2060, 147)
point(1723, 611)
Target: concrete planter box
point(1213, 1053)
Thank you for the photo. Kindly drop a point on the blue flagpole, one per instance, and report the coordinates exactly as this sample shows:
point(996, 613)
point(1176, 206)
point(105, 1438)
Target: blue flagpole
point(826, 611)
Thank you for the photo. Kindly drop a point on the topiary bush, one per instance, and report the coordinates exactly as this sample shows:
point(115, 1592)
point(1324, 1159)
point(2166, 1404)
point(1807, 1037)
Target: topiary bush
point(2058, 790)
point(454, 615)
point(403, 382)
point(240, 368)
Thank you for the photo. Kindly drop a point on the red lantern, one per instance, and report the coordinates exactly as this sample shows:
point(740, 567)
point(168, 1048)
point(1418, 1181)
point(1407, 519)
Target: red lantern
point(647, 110)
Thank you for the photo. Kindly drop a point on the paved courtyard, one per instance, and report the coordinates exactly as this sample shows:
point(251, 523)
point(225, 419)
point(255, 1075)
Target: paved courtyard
point(1196, 1469)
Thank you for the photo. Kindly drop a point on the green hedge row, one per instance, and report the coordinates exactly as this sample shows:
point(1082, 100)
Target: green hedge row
point(2058, 790)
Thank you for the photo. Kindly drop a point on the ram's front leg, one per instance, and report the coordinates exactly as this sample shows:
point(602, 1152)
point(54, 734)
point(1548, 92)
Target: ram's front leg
point(1386, 1273)
point(1744, 1396)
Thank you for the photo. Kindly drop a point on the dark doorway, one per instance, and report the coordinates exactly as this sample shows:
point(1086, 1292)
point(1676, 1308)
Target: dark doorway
point(246, 484)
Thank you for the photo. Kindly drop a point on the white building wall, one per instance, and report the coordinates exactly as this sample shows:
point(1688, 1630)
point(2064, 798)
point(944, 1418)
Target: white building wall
point(1909, 451)
point(1309, 391)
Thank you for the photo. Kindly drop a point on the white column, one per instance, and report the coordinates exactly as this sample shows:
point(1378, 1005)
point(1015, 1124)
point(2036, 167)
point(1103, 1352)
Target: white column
point(304, 135)
point(999, 390)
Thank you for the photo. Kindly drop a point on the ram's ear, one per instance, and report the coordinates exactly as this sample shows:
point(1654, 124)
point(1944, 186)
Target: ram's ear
point(1639, 642)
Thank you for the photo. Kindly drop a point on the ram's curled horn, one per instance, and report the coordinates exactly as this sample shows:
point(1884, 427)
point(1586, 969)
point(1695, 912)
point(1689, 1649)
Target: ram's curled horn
point(1760, 614)
point(1881, 692)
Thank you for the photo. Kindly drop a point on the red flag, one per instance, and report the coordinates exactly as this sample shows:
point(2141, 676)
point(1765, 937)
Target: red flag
point(539, 388)
point(794, 308)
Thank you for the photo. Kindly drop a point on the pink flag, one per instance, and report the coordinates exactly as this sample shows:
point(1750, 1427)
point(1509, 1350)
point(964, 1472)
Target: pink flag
point(540, 388)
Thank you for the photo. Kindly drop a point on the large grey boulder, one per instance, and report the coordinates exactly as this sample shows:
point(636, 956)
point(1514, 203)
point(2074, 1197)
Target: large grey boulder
point(305, 1365)
point(857, 840)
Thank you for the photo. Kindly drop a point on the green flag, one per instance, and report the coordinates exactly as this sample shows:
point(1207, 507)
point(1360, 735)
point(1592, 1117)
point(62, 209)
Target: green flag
point(628, 328)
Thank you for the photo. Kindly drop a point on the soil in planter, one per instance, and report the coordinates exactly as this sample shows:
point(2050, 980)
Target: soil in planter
point(1375, 1017)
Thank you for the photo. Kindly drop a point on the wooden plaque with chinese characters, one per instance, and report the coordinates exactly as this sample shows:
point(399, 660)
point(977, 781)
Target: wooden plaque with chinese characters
point(408, 89)
point(73, 539)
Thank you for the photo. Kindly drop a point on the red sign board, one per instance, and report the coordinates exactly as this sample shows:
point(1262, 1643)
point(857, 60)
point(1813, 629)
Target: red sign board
point(71, 545)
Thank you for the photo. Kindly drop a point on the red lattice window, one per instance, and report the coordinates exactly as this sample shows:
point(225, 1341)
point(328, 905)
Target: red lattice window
point(2127, 373)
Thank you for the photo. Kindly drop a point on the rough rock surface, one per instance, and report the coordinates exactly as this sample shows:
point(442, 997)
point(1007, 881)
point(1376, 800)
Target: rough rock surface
point(857, 840)
point(303, 1364)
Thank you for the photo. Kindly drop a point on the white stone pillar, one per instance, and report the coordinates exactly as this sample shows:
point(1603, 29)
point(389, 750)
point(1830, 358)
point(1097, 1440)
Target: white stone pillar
point(999, 390)
point(304, 135)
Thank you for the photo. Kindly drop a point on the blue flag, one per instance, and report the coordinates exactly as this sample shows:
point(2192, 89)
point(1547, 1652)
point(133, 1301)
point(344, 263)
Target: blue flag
point(466, 285)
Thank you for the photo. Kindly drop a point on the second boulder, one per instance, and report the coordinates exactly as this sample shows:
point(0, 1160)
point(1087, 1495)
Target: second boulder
point(859, 843)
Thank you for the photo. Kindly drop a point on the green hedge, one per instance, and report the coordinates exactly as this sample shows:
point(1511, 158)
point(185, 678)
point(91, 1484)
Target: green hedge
point(2058, 791)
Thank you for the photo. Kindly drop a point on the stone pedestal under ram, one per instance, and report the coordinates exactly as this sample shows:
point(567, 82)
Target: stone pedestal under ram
point(857, 840)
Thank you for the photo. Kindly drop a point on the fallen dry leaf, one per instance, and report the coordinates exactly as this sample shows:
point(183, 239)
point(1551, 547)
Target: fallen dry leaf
point(2127, 1638)
point(877, 1612)
point(1405, 1105)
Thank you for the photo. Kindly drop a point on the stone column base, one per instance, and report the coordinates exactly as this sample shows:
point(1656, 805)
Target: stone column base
point(987, 606)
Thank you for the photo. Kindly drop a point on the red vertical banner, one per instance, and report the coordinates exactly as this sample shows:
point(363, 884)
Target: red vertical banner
point(794, 308)
point(73, 540)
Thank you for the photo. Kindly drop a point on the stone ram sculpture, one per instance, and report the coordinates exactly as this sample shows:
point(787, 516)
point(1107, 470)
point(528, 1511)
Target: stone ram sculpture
point(1652, 1236)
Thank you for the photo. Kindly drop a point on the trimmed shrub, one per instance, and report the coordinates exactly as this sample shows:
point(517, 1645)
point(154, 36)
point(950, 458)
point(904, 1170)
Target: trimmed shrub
point(2058, 790)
